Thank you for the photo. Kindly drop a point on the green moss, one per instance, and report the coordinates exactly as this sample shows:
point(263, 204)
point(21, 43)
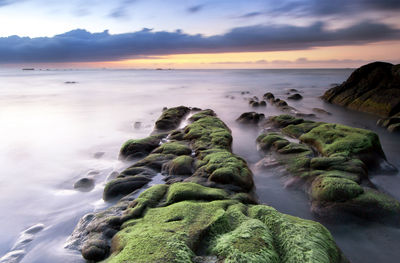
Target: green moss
point(140, 147)
point(284, 120)
point(208, 132)
point(334, 189)
point(295, 148)
point(202, 114)
point(154, 161)
point(191, 191)
point(298, 240)
point(266, 140)
point(224, 167)
point(171, 118)
point(297, 130)
point(176, 148)
point(167, 234)
point(181, 165)
point(252, 241)
point(380, 203)
point(331, 139)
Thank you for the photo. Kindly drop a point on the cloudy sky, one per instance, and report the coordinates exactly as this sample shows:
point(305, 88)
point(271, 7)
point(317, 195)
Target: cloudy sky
point(198, 34)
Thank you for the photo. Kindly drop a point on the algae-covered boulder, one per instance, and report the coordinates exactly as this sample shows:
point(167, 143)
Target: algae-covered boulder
point(372, 88)
point(123, 186)
point(250, 118)
point(227, 230)
point(171, 118)
point(139, 147)
point(331, 163)
point(176, 148)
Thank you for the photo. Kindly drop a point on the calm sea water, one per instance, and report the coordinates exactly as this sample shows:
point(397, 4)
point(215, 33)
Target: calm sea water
point(50, 132)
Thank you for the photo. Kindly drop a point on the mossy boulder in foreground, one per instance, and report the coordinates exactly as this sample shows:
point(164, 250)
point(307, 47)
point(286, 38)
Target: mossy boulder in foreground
point(331, 162)
point(196, 218)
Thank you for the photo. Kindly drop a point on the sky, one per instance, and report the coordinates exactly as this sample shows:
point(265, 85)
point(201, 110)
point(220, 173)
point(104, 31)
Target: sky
point(198, 34)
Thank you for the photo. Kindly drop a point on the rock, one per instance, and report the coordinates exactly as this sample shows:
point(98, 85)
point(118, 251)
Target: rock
point(176, 148)
point(95, 250)
point(322, 111)
point(250, 118)
point(98, 155)
point(394, 127)
point(140, 147)
point(181, 165)
point(254, 103)
point(263, 103)
point(137, 125)
point(123, 186)
point(84, 184)
point(171, 118)
point(331, 164)
point(269, 96)
point(295, 96)
point(372, 88)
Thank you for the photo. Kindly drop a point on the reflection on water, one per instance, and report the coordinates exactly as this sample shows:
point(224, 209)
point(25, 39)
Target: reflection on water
point(52, 131)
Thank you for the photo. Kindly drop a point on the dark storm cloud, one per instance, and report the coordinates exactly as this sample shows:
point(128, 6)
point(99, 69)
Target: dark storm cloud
point(80, 45)
point(195, 9)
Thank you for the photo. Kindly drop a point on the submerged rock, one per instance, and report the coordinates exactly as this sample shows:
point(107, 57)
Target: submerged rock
point(295, 96)
point(250, 118)
point(331, 162)
point(372, 88)
point(171, 118)
point(84, 184)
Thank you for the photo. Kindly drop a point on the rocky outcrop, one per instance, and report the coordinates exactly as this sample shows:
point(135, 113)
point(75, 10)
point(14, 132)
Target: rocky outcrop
point(205, 212)
point(250, 118)
point(372, 88)
point(331, 162)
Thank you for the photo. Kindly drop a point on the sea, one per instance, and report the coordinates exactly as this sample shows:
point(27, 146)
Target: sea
point(58, 126)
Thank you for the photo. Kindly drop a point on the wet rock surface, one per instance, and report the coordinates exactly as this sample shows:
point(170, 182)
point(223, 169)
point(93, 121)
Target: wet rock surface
point(372, 88)
point(331, 162)
point(206, 206)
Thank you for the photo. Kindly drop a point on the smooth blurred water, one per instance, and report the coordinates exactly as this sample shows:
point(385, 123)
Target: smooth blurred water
point(51, 130)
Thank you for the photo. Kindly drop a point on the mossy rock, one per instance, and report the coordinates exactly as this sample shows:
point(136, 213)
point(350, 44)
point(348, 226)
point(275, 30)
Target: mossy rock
point(208, 132)
point(337, 139)
point(266, 140)
point(224, 167)
point(297, 130)
point(140, 147)
point(176, 148)
point(171, 118)
point(181, 165)
point(141, 170)
point(394, 128)
point(230, 230)
point(154, 161)
point(334, 189)
point(250, 117)
point(294, 148)
point(284, 120)
point(202, 114)
point(192, 191)
point(123, 186)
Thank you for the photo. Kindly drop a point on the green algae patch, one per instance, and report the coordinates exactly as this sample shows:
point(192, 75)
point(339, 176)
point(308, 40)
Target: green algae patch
point(379, 203)
point(181, 165)
point(230, 230)
point(208, 132)
point(296, 131)
point(330, 139)
point(284, 120)
point(296, 239)
point(252, 241)
point(334, 189)
point(166, 234)
point(191, 191)
point(224, 167)
point(176, 148)
point(171, 118)
point(154, 161)
point(139, 147)
point(266, 140)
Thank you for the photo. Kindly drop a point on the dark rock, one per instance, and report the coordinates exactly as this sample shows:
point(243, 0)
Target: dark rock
point(123, 186)
point(250, 118)
point(95, 250)
point(263, 103)
point(140, 147)
point(269, 96)
point(171, 118)
point(295, 96)
point(137, 125)
point(84, 184)
point(372, 88)
point(255, 104)
point(98, 155)
point(322, 111)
